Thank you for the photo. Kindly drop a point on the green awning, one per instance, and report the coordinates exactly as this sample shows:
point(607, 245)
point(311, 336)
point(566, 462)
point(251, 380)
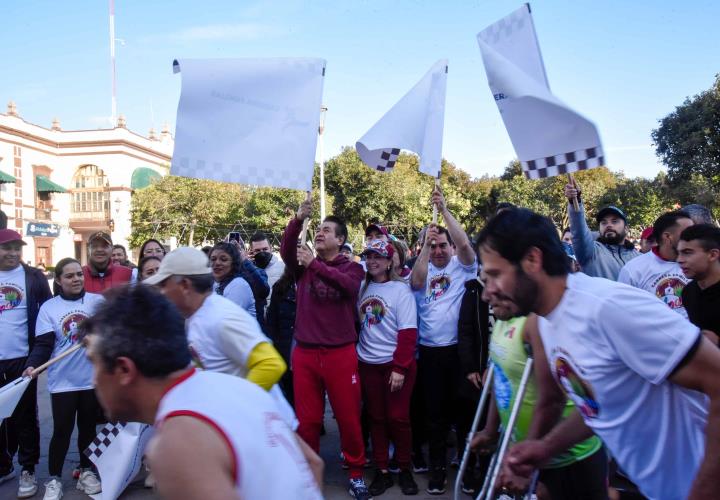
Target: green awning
point(45, 185)
point(6, 178)
point(142, 177)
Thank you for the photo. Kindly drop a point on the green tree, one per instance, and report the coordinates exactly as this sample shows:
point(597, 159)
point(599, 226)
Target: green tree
point(688, 139)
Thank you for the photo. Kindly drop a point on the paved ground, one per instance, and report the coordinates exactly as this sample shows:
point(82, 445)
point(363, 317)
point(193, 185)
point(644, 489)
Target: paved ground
point(335, 477)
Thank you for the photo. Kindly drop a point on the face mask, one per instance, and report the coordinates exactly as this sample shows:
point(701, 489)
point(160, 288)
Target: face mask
point(262, 259)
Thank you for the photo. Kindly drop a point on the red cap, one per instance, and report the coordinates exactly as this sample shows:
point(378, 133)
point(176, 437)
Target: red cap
point(647, 233)
point(380, 247)
point(376, 227)
point(8, 235)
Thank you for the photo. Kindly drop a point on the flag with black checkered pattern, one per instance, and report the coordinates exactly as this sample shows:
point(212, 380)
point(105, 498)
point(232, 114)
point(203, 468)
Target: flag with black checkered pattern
point(104, 439)
point(415, 123)
point(249, 121)
point(549, 137)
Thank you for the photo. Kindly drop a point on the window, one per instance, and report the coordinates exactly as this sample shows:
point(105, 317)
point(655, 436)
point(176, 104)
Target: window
point(90, 193)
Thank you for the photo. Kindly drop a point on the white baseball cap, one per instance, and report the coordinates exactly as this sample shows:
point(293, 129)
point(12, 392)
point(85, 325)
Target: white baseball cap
point(183, 261)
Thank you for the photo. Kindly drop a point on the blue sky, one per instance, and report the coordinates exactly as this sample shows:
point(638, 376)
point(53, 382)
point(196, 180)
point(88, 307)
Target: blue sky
point(623, 64)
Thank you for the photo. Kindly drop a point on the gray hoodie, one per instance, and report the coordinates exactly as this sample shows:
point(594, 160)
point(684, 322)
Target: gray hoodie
point(595, 258)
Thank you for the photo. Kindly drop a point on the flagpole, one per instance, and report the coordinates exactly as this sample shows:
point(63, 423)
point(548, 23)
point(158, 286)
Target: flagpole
point(306, 223)
point(575, 203)
point(321, 144)
point(435, 208)
point(44, 366)
point(113, 115)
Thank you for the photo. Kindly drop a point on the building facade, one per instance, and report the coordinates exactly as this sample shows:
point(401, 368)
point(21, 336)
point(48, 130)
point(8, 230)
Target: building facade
point(59, 186)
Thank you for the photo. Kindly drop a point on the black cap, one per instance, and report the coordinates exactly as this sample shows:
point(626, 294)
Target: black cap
point(608, 211)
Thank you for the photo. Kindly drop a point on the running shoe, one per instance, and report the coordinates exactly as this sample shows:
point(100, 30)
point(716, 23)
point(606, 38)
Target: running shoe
point(358, 490)
point(53, 489)
point(437, 482)
point(89, 483)
point(381, 482)
point(8, 475)
point(27, 486)
point(407, 483)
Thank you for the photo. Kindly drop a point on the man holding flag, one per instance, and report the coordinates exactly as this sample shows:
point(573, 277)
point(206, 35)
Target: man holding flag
point(23, 289)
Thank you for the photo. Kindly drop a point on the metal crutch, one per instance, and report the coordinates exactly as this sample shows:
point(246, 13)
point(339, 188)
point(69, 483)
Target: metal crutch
point(484, 398)
point(493, 472)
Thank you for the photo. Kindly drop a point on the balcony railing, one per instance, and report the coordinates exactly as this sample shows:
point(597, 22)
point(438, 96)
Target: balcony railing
point(43, 213)
point(100, 215)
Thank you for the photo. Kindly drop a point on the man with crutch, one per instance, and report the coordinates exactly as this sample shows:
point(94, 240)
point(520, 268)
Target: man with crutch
point(643, 378)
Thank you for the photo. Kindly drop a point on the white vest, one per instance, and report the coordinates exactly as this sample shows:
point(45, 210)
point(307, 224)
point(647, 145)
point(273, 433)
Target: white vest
point(263, 445)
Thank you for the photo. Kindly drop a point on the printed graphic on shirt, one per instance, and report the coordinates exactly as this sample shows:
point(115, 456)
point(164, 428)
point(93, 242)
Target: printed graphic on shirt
point(70, 323)
point(437, 287)
point(669, 290)
point(578, 389)
point(372, 311)
point(502, 387)
point(10, 297)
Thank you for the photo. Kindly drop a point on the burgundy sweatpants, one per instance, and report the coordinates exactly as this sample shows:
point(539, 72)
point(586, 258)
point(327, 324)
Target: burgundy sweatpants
point(389, 412)
point(335, 370)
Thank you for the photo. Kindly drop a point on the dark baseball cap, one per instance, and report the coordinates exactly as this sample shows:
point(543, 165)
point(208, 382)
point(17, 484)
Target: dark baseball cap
point(610, 210)
point(376, 227)
point(8, 235)
point(100, 235)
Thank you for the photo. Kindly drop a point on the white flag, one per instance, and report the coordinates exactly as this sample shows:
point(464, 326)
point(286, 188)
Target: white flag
point(549, 137)
point(415, 123)
point(250, 121)
point(10, 395)
point(117, 453)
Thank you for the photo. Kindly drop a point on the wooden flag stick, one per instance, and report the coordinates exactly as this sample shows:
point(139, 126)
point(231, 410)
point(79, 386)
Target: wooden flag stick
point(37, 371)
point(435, 209)
point(571, 180)
point(306, 223)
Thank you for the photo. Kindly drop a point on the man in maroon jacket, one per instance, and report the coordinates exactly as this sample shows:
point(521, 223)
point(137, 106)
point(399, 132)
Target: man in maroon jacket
point(325, 358)
point(100, 272)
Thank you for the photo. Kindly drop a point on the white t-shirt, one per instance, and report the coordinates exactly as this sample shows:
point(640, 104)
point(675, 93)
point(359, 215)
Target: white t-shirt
point(384, 309)
point(13, 314)
point(259, 439)
point(221, 336)
point(63, 317)
point(439, 303)
point(612, 348)
point(239, 291)
point(662, 278)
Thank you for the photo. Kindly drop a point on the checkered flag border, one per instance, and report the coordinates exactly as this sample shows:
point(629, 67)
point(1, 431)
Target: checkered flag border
point(388, 157)
point(503, 28)
point(104, 439)
point(564, 163)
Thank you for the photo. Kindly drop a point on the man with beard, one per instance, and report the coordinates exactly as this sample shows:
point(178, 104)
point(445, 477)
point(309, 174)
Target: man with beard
point(604, 256)
point(645, 381)
point(656, 271)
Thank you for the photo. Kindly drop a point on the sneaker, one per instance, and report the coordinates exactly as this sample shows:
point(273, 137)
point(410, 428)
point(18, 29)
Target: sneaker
point(53, 489)
point(419, 464)
point(76, 473)
point(393, 466)
point(27, 486)
point(89, 483)
point(437, 482)
point(407, 483)
point(381, 482)
point(470, 487)
point(358, 490)
point(8, 475)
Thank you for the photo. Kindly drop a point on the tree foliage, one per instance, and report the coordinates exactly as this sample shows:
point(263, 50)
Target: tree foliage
point(688, 139)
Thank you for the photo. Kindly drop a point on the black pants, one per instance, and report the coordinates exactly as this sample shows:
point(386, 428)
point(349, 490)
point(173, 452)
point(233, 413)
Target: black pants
point(21, 432)
point(65, 407)
point(418, 421)
point(439, 369)
point(586, 479)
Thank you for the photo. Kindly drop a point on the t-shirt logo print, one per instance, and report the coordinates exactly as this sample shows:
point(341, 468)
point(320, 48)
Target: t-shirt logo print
point(70, 325)
point(372, 312)
point(578, 390)
point(10, 297)
point(438, 286)
point(669, 291)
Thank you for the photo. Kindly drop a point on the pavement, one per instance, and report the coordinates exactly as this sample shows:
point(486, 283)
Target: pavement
point(335, 478)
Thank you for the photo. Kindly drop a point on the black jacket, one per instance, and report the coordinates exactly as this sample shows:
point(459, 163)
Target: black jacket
point(473, 329)
point(38, 291)
point(280, 321)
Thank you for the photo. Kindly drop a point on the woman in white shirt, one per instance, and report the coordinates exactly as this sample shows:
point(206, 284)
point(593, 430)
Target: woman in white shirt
point(70, 381)
point(386, 354)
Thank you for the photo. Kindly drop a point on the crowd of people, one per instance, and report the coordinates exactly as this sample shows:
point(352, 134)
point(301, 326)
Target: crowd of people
point(232, 354)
